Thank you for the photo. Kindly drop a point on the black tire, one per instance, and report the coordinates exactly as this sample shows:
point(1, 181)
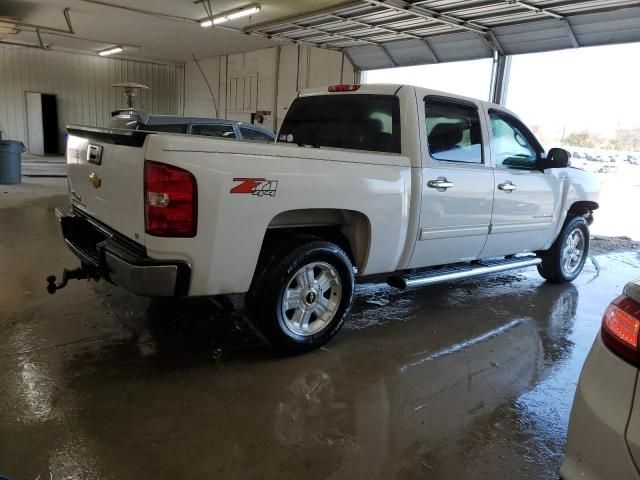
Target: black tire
point(551, 267)
point(275, 272)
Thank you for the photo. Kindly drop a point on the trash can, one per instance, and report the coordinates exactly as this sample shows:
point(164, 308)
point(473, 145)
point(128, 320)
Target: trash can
point(10, 161)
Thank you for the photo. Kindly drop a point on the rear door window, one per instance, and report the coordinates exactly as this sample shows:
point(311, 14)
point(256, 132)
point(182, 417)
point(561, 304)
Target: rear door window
point(215, 130)
point(253, 134)
point(453, 131)
point(359, 122)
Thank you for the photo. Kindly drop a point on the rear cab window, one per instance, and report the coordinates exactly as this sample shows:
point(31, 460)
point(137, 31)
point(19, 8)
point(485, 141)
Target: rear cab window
point(358, 122)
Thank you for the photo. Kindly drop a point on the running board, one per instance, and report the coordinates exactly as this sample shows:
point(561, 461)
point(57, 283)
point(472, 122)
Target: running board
point(445, 274)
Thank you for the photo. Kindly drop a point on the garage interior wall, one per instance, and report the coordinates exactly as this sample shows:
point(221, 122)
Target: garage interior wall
point(82, 84)
point(261, 80)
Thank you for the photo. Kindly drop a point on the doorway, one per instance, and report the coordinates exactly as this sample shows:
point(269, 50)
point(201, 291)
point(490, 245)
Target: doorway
point(42, 123)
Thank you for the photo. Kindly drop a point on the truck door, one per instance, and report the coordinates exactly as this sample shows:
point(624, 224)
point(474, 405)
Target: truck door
point(457, 183)
point(526, 198)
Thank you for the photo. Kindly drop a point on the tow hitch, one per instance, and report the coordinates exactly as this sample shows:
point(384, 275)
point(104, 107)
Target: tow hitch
point(79, 273)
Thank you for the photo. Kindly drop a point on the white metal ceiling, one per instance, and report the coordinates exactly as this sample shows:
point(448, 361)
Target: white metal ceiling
point(388, 33)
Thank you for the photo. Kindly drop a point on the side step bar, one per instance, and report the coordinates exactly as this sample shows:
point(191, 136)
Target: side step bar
point(445, 274)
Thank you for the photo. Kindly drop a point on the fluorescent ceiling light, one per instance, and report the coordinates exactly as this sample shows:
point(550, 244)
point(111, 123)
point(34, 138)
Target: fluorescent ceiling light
point(110, 51)
point(225, 17)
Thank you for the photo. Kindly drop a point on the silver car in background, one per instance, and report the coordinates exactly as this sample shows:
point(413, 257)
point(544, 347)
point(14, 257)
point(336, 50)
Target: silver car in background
point(207, 127)
point(604, 429)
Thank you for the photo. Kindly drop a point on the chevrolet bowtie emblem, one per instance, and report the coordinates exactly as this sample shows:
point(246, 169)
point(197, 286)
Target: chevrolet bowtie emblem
point(95, 180)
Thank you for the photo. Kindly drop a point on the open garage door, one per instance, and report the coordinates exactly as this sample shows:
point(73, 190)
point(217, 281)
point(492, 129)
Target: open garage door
point(379, 34)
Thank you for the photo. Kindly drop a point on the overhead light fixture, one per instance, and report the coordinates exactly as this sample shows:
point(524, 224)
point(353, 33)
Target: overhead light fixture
point(110, 51)
point(230, 15)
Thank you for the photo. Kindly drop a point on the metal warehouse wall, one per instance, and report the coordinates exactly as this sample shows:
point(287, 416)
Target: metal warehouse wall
point(83, 86)
point(266, 80)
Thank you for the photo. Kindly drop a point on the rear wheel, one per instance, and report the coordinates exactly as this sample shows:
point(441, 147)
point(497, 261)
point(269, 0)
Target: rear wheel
point(302, 295)
point(564, 261)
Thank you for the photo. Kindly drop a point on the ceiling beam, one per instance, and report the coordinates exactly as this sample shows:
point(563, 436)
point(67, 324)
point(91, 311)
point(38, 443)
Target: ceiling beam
point(406, 7)
point(494, 43)
point(572, 35)
point(278, 22)
point(429, 48)
point(385, 50)
point(583, 7)
point(550, 13)
point(323, 32)
point(535, 8)
point(373, 26)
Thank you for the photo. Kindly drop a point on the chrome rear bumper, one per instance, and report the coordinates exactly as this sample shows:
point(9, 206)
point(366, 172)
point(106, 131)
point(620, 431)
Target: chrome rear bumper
point(120, 260)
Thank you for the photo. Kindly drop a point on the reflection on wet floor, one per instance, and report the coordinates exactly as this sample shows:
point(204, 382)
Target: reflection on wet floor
point(466, 380)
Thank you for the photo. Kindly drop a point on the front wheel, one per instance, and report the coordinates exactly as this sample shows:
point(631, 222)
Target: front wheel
point(302, 296)
point(564, 261)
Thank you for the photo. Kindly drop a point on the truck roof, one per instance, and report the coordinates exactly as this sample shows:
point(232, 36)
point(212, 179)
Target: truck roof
point(392, 89)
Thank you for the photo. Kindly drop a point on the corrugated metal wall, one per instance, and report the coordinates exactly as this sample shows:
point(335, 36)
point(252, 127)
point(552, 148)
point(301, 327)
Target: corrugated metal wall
point(246, 82)
point(83, 86)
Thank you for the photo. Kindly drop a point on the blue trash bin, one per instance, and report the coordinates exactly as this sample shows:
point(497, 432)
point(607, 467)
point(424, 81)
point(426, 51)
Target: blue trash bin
point(11, 161)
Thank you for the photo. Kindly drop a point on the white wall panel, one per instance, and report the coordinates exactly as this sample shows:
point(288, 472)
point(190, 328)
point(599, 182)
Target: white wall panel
point(232, 80)
point(82, 84)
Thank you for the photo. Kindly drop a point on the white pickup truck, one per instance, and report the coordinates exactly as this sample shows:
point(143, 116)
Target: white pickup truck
point(416, 184)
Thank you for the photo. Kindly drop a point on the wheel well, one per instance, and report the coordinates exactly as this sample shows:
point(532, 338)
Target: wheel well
point(583, 207)
point(348, 229)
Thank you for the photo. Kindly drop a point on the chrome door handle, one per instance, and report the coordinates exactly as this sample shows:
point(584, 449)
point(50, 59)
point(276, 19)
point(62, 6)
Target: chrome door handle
point(507, 187)
point(441, 184)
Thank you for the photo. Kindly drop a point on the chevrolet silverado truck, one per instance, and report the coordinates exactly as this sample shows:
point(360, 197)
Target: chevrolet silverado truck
point(418, 185)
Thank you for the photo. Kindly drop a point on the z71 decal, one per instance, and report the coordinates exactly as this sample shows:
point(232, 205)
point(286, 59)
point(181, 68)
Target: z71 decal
point(256, 186)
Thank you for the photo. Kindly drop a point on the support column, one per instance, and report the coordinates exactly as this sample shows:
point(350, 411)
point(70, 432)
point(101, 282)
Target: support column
point(357, 75)
point(500, 73)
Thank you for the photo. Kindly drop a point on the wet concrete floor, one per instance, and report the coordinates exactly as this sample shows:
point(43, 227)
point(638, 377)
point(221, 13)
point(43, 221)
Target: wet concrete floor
point(467, 380)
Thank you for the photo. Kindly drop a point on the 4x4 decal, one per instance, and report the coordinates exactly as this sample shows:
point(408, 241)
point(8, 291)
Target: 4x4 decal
point(256, 186)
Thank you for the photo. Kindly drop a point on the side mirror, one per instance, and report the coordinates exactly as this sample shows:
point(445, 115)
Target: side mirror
point(556, 158)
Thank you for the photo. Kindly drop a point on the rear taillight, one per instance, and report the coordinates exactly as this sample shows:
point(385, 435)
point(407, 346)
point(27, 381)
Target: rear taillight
point(343, 88)
point(621, 327)
point(170, 201)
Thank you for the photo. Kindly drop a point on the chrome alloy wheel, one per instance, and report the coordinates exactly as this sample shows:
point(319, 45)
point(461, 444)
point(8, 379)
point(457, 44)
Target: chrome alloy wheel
point(311, 299)
point(572, 252)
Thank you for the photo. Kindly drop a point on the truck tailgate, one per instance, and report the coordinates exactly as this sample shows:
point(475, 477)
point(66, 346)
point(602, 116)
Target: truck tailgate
point(106, 176)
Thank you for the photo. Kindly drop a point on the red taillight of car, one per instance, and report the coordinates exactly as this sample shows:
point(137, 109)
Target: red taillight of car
point(621, 327)
point(170, 201)
point(343, 88)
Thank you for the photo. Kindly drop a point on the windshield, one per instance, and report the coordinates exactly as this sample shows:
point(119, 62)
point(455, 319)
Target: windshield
point(359, 122)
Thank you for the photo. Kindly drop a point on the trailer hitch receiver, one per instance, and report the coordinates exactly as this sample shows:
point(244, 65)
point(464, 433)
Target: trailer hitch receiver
point(79, 273)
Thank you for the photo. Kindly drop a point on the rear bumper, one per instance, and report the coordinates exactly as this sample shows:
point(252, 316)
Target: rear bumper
point(120, 260)
point(596, 445)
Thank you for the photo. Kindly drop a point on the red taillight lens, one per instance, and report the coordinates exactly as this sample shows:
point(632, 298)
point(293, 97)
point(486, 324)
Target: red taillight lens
point(170, 201)
point(343, 88)
point(621, 327)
